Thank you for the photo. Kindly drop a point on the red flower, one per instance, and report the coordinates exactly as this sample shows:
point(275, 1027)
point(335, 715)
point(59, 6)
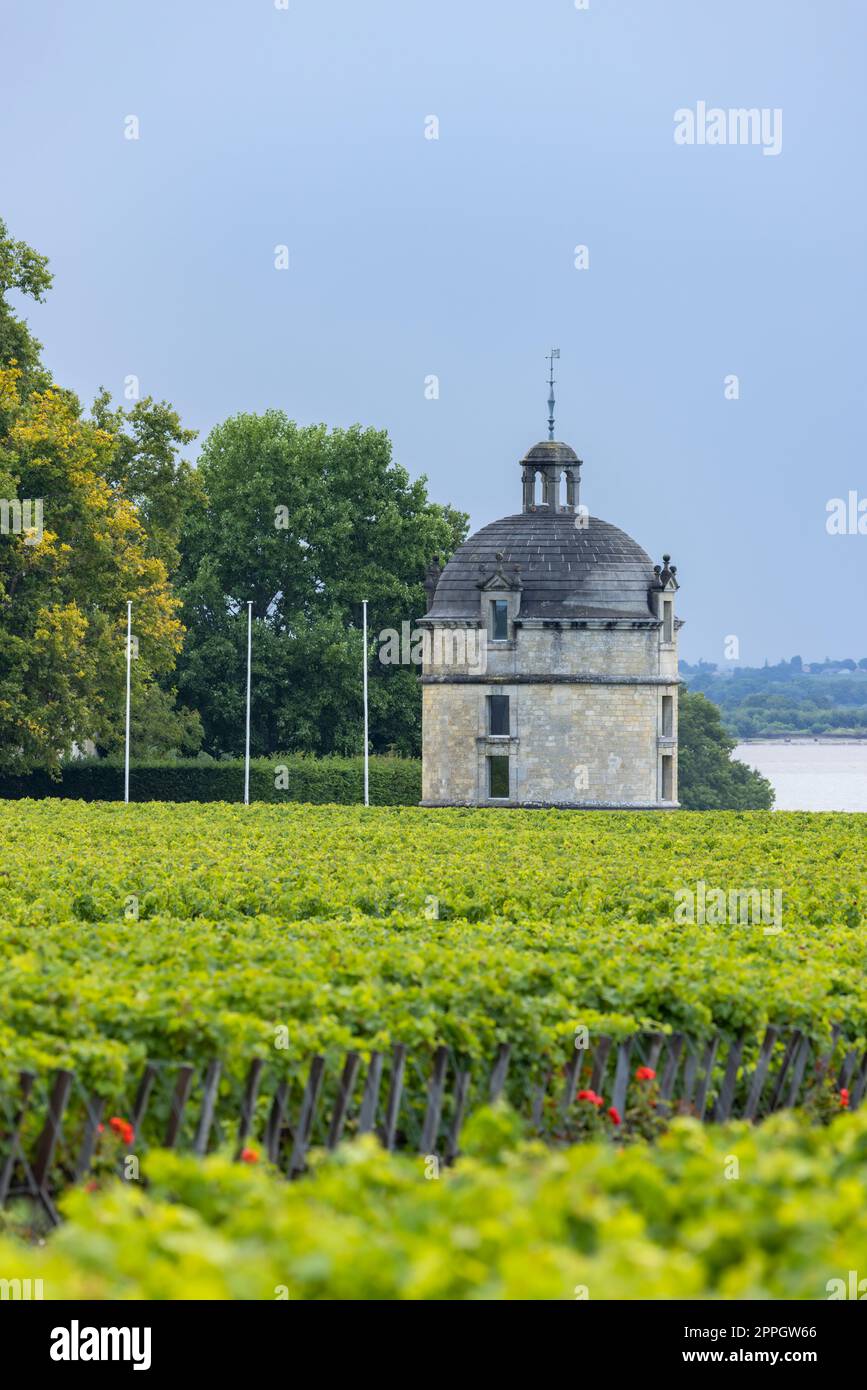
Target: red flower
point(645, 1074)
point(249, 1155)
point(123, 1128)
point(92, 1186)
point(844, 1098)
point(592, 1097)
point(613, 1115)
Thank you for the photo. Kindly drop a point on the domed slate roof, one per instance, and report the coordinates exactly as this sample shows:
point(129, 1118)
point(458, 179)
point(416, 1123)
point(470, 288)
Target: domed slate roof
point(551, 451)
point(566, 571)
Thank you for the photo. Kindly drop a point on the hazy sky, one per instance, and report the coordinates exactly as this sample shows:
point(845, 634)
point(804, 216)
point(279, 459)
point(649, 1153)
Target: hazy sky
point(410, 257)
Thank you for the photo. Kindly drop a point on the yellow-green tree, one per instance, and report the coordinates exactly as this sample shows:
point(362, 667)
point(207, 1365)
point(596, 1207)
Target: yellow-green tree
point(73, 551)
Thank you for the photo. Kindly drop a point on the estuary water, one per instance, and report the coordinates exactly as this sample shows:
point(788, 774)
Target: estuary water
point(812, 775)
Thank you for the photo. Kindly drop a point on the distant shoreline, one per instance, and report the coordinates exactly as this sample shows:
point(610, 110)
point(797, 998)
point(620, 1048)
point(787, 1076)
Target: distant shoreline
point(804, 740)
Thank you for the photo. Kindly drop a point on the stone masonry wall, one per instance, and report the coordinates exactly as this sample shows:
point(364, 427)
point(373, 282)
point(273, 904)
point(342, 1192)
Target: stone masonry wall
point(570, 743)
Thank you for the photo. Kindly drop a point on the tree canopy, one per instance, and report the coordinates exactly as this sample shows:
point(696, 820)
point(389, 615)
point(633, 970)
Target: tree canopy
point(304, 523)
point(74, 550)
point(24, 270)
point(709, 779)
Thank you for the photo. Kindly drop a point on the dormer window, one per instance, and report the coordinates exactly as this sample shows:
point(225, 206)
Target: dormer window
point(667, 620)
point(500, 598)
point(499, 620)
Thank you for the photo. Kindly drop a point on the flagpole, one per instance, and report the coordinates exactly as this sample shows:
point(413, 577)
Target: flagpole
point(366, 772)
point(128, 672)
point(247, 745)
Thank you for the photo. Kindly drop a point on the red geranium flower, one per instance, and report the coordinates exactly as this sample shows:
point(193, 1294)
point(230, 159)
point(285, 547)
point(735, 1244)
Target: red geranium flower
point(123, 1128)
point(614, 1115)
point(592, 1097)
point(844, 1098)
point(645, 1074)
point(249, 1156)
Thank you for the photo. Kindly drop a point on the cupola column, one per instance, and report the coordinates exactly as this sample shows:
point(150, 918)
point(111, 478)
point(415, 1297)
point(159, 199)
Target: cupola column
point(528, 477)
point(551, 476)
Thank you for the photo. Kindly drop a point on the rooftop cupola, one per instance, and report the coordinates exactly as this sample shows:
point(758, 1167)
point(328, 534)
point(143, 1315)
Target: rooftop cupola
point(550, 461)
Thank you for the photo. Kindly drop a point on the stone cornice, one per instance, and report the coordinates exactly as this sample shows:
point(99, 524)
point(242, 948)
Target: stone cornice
point(556, 805)
point(623, 624)
point(551, 678)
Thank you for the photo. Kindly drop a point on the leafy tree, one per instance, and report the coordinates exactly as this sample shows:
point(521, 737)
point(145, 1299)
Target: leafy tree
point(63, 592)
point(24, 270)
point(159, 727)
point(65, 582)
point(304, 523)
point(709, 779)
point(146, 467)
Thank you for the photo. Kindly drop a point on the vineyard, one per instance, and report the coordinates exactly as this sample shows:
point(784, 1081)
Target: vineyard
point(196, 931)
point(195, 938)
point(187, 932)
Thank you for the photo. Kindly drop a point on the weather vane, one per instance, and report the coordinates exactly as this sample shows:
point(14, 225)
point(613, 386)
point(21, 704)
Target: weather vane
point(554, 353)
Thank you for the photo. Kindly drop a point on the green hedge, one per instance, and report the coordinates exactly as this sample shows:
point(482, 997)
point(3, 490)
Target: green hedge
point(393, 781)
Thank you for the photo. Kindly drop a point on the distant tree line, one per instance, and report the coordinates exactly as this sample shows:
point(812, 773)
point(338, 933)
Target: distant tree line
point(791, 698)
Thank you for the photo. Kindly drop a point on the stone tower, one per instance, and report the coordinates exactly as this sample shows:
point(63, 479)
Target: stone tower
point(550, 674)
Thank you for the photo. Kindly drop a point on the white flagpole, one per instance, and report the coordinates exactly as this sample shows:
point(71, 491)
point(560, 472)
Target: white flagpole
point(366, 776)
point(249, 656)
point(128, 671)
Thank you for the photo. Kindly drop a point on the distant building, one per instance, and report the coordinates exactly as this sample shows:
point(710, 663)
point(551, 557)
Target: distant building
point(551, 674)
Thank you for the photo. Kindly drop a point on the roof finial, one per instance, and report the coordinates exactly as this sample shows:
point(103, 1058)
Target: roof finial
point(554, 353)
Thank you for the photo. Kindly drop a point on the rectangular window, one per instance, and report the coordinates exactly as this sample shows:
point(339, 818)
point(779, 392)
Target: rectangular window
point(667, 777)
point(498, 778)
point(667, 716)
point(499, 620)
point(667, 621)
point(498, 714)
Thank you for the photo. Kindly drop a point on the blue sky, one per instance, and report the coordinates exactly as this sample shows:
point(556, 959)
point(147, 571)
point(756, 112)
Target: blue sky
point(410, 257)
